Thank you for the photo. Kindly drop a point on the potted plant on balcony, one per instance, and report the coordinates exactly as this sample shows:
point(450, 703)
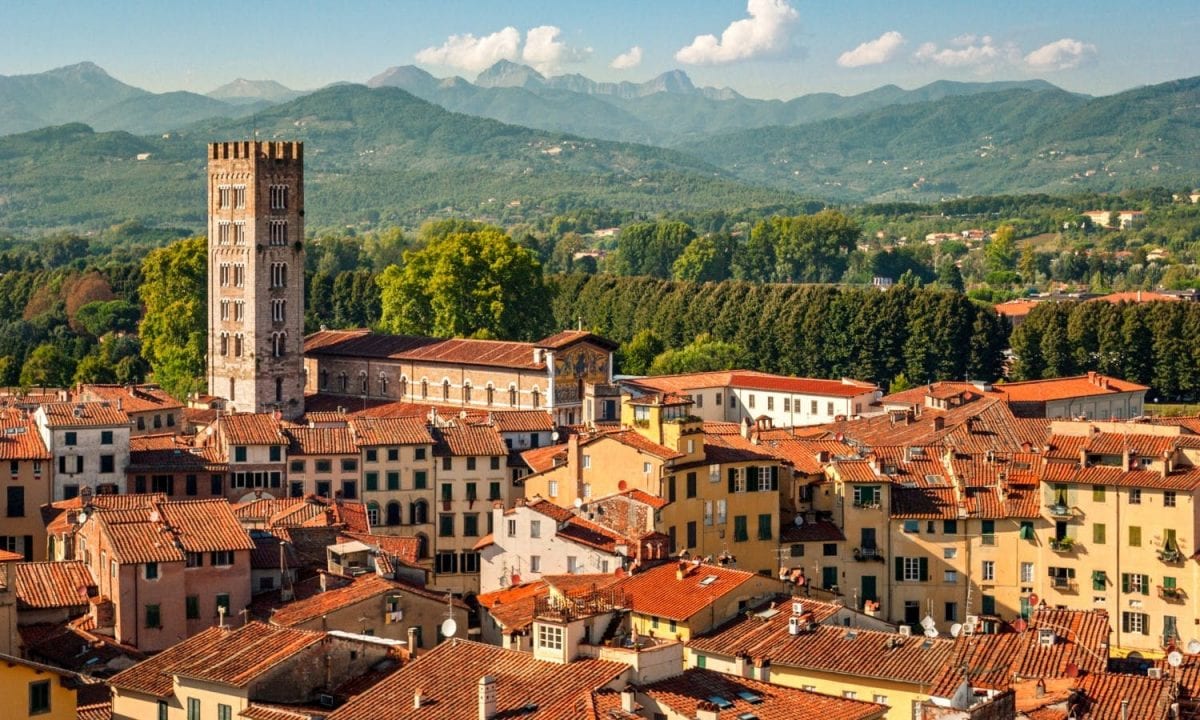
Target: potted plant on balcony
point(1062, 544)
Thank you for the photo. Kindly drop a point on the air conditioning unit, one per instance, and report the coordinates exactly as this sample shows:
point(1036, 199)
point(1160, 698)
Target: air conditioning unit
point(797, 608)
point(905, 631)
point(1046, 637)
point(794, 625)
point(1154, 673)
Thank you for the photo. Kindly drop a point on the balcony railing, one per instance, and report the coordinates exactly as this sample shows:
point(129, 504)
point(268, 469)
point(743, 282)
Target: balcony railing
point(868, 554)
point(1059, 509)
point(1063, 544)
point(1170, 555)
point(1172, 594)
point(867, 504)
point(1065, 585)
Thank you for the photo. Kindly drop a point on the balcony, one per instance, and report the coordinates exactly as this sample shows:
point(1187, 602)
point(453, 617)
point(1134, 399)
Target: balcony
point(1066, 585)
point(868, 554)
point(1172, 594)
point(1062, 544)
point(1170, 555)
point(1059, 510)
point(867, 504)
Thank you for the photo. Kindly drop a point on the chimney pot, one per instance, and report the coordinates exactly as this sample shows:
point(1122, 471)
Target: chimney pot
point(627, 700)
point(487, 697)
point(417, 699)
point(412, 642)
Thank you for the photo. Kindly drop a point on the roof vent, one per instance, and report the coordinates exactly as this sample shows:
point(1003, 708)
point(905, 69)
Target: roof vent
point(325, 700)
point(1046, 637)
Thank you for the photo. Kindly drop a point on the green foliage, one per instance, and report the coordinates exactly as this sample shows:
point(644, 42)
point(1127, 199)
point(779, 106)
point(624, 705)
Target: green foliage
point(475, 283)
point(700, 355)
point(98, 318)
point(634, 357)
point(1001, 250)
point(47, 366)
point(651, 248)
point(701, 261)
point(174, 327)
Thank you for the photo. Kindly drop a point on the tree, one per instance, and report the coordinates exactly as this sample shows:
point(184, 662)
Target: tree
point(47, 366)
point(950, 277)
point(699, 262)
point(475, 283)
point(94, 369)
point(1001, 250)
point(651, 248)
point(635, 356)
point(99, 318)
point(173, 329)
point(83, 290)
point(702, 354)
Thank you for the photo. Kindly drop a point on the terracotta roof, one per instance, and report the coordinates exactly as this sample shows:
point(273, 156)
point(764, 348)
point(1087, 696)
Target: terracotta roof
point(856, 471)
point(137, 536)
point(1065, 387)
point(84, 414)
point(470, 440)
point(658, 593)
point(645, 498)
point(134, 398)
point(633, 439)
point(20, 439)
point(448, 677)
point(205, 525)
point(457, 351)
point(251, 429)
point(846, 651)
point(311, 605)
point(567, 338)
point(42, 585)
point(405, 548)
point(266, 553)
point(804, 454)
point(320, 441)
point(544, 458)
point(820, 531)
point(180, 458)
point(685, 693)
point(260, 711)
point(1137, 296)
point(513, 606)
point(751, 380)
point(1148, 697)
point(1185, 478)
point(522, 421)
point(219, 655)
point(61, 644)
point(1015, 308)
point(6, 556)
point(391, 431)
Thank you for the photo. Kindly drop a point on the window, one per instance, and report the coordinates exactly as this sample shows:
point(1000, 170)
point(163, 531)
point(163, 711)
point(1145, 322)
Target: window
point(989, 570)
point(764, 528)
point(193, 712)
point(988, 534)
point(470, 562)
point(829, 549)
point(447, 463)
point(949, 527)
point(1026, 572)
point(195, 559)
point(1135, 496)
point(535, 563)
point(69, 437)
point(277, 232)
point(419, 479)
point(446, 525)
point(16, 502)
point(866, 496)
point(163, 709)
point(722, 504)
point(223, 603)
point(239, 453)
point(535, 528)
point(770, 402)
point(881, 699)
point(512, 528)
point(224, 712)
point(151, 571)
point(550, 637)
point(192, 607)
point(1135, 623)
point(349, 465)
point(1098, 493)
point(849, 694)
point(1168, 498)
point(552, 488)
point(1099, 580)
point(988, 604)
point(1098, 532)
point(371, 481)
point(39, 697)
point(740, 531)
point(912, 569)
point(471, 525)
point(323, 466)
point(691, 534)
point(950, 576)
point(750, 400)
point(912, 526)
point(1134, 583)
point(279, 197)
point(829, 409)
point(494, 491)
point(153, 618)
point(221, 558)
point(447, 562)
point(1135, 536)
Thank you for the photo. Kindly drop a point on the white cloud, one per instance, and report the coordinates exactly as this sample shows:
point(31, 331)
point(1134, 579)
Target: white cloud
point(765, 32)
point(968, 51)
point(546, 53)
point(873, 52)
point(474, 54)
point(1061, 54)
point(627, 60)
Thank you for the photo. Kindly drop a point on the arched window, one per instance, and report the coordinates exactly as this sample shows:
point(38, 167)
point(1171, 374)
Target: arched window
point(363, 385)
point(467, 393)
point(491, 394)
point(278, 389)
point(424, 388)
point(403, 387)
point(279, 343)
point(345, 380)
point(422, 546)
point(393, 513)
point(512, 395)
point(324, 378)
point(237, 345)
point(383, 383)
point(232, 387)
point(224, 343)
point(446, 390)
point(419, 513)
point(535, 398)
point(373, 513)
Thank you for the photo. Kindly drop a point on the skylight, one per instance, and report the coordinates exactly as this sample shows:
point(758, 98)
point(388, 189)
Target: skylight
point(720, 702)
point(750, 697)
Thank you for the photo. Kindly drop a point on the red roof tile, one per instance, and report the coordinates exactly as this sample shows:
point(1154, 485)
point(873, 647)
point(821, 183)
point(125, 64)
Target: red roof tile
point(457, 351)
point(20, 439)
point(205, 525)
point(1065, 387)
point(521, 421)
point(685, 693)
point(251, 429)
point(43, 585)
point(320, 441)
point(657, 592)
point(567, 338)
point(470, 440)
point(133, 398)
point(83, 414)
point(544, 458)
point(311, 605)
point(391, 431)
point(751, 380)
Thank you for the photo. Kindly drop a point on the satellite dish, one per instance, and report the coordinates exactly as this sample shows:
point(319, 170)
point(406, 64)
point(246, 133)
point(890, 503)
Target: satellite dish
point(449, 627)
point(798, 521)
point(82, 518)
point(928, 622)
point(1174, 658)
point(554, 436)
point(931, 632)
point(578, 503)
point(956, 630)
point(1193, 647)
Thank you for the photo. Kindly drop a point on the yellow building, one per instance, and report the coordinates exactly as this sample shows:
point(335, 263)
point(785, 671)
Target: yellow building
point(720, 493)
point(35, 691)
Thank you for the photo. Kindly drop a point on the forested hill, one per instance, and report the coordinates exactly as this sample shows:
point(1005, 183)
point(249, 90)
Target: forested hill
point(375, 155)
point(1013, 141)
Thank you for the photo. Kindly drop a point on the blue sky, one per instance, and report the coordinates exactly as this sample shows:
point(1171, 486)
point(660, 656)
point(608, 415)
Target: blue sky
point(761, 48)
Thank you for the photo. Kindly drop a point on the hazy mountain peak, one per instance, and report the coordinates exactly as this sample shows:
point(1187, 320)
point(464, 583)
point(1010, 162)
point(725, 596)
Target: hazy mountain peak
point(506, 73)
point(84, 70)
point(408, 77)
point(243, 89)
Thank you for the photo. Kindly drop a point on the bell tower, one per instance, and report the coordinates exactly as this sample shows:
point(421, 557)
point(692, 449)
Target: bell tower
point(256, 275)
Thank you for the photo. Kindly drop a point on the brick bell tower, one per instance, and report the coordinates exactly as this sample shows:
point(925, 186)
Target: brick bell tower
point(256, 275)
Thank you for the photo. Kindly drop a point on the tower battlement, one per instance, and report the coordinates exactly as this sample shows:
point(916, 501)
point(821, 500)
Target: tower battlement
point(256, 150)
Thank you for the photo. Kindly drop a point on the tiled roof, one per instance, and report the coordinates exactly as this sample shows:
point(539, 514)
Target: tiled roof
point(133, 398)
point(751, 380)
point(137, 536)
point(457, 351)
point(448, 677)
point(20, 439)
point(820, 531)
point(42, 585)
point(846, 651)
point(469, 440)
point(320, 441)
point(84, 414)
point(267, 553)
point(406, 548)
point(633, 439)
point(1186, 479)
point(804, 454)
point(360, 589)
point(180, 458)
point(1137, 296)
point(658, 593)
point(1015, 308)
point(218, 655)
point(522, 421)
point(923, 503)
point(135, 543)
point(513, 607)
point(645, 498)
point(205, 525)
point(260, 711)
point(61, 644)
point(1065, 387)
point(1106, 693)
point(544, 458)
point(391, 431)
point(567, 338)
point(856, 471)
point(251, 429)
point(684, 693)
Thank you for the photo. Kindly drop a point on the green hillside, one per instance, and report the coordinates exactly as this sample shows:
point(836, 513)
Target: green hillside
point(1014, 141)
point(372, 155)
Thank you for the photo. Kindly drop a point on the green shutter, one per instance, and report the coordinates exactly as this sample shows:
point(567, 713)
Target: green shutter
point(732, 479)
point(1026, 530)
point(1145, 584)
point(1124, 582)
point(1098, 533)
point(1099, 580)
point(774, 477)
point(899, 569)
point(923, 569)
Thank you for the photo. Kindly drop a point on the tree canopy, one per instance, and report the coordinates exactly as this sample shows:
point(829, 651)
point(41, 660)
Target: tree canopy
point(173, 328)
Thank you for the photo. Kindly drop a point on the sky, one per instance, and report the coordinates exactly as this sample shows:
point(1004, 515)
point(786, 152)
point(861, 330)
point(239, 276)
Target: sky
point(760, 48)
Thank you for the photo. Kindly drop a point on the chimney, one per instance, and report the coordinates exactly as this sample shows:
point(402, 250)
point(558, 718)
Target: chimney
point(707, 711)
point(1039, 690)
point(418, 699)
point(412, 643)
point(487, 697)
point(939, 424)
point(627, 700)
point(681, 571)
point(324, 580)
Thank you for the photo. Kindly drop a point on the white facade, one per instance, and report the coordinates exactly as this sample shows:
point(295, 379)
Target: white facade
point(85, 455)
point(526, 544)
point(794, 409)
